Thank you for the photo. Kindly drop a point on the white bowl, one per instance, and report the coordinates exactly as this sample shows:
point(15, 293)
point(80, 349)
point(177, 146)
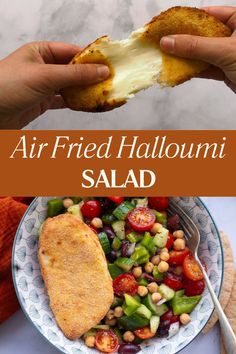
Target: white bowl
point(34, 300)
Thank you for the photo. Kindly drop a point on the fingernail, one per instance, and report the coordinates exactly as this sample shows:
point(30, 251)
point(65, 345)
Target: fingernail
point(103, 71)
point(168, 44)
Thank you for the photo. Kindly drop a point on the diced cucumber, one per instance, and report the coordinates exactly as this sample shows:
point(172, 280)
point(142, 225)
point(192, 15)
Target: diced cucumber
point(116, 244)
point(140, 202)
point(133, 322)
point(76, 210)
point(104, 241)
point(156, 274)
point(154, 323)
point(108, 219)
point(143, 311)
point(161, 238)
point(134, 237)
point(122, 210)
point(124, 263)
point(55, 207)
point(155, 309)
point(185, 304)
point(119, 229)
point(117, 302)
point(114, 270)
point(148, 242)
point(142, 281)
point(166, 292)
point(161, 309)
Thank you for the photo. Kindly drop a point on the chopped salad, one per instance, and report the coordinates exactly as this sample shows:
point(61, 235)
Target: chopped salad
point(157, 282)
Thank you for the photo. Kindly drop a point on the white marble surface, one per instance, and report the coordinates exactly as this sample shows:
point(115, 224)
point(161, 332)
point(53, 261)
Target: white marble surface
point(17, 335)
point(199, 104)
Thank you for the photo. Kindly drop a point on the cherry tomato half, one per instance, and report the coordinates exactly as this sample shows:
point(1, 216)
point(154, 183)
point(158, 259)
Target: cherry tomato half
point(158, 203)
point(169, 316)
point(106, 341)
point(125, 283)
point(170, 241)
point(173, 281)
point(193, 288)
point(91, 209)
point(117, 200)
point(144, 333)
point(141, 219)
point(191, 268)
point(177, 257)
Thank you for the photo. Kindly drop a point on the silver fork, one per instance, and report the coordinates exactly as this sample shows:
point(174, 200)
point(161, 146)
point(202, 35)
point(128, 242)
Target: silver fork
point(192, 236)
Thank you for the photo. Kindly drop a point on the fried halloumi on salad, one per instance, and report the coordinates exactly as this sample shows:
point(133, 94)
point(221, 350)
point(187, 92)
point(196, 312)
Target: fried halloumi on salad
point(75, 273)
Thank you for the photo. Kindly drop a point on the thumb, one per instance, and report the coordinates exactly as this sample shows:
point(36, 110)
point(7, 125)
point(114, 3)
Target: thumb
point(214, 51)
point(61, 76)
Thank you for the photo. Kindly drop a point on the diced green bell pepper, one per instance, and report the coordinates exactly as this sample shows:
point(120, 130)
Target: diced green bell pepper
point(142, 281)
point(134, 237)
point(131, 305)
point(156, 274)
point(184, 304)
point(140, 255)
point(160, 217)
point(148, 242)
point(55, 207)
point(114, 270)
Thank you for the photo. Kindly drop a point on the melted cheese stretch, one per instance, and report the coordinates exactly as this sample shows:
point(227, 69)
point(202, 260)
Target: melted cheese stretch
point(137, 64)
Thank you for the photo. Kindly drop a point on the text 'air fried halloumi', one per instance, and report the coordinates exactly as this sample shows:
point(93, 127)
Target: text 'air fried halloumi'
point(75, 272)
point(137, 63)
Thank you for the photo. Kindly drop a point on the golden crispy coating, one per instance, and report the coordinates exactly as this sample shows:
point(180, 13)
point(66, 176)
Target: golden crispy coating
point(75, 273)
point(183, 20)
point(173, 71)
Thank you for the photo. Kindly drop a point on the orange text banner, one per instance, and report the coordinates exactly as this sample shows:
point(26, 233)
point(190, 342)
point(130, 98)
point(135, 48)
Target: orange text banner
point(129, 163)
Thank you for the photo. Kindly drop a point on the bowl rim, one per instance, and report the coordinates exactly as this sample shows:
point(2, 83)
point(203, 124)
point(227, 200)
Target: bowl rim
point(35, 326)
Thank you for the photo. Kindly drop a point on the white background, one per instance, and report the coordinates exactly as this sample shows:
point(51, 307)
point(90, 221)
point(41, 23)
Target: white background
point(18, 336)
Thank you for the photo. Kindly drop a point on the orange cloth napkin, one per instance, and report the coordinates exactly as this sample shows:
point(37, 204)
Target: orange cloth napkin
point(11, 212)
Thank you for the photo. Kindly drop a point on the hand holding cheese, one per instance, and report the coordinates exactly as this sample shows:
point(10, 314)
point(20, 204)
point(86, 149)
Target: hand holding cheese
point(220, 52)
point(137, 63)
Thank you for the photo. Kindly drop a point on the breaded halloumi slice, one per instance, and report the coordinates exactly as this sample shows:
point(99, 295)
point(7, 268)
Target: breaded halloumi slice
point(75, 273)
point(137, 63)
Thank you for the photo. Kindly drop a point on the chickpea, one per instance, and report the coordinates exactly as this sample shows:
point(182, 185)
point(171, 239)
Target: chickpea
point(163, 267)
point(178, 234)
point(110, 315)
point(156, 228)
point(67, 202)
point(118, 311)
point(179, 244)
point(111, 322)
point(164, 256)
point(149, 267)
point(178, 270)
point(142, 290)
point(137, 272)
point(152, 287)
point(128, 337)
point(90, 341)
point(97, 222)
point(164, 250)
point(155, 260)
point(185, 318)
point(156, 297)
